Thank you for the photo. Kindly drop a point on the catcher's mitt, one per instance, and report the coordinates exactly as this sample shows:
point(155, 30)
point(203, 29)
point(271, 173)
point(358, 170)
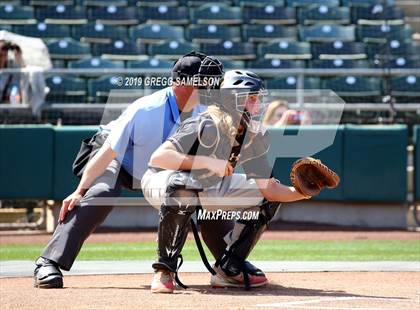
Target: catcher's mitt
point(309, 176)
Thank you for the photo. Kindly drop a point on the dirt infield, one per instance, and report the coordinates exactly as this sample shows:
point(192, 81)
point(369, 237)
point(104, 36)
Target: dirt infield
point(140, 236)
point(332, 290)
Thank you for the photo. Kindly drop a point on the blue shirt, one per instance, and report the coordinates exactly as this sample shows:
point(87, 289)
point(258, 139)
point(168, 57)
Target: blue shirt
point(142, 128)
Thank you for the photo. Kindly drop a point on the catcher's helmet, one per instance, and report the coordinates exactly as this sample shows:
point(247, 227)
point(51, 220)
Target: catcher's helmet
point(242, 93)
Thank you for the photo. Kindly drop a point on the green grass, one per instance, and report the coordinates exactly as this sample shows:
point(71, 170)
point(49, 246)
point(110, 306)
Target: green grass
point(355, 250)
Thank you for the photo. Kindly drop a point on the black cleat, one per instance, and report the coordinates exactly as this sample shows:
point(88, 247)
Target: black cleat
point(47, 274)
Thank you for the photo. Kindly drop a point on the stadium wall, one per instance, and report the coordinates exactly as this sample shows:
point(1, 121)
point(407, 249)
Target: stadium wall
point(35, 163)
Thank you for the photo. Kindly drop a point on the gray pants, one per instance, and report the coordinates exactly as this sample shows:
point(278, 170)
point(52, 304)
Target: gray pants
point(79, 223)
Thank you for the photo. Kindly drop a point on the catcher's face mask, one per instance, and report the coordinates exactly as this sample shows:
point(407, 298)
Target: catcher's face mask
point(252, 106)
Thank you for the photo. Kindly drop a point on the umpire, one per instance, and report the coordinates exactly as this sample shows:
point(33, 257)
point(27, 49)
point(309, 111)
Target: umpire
point(124, 147)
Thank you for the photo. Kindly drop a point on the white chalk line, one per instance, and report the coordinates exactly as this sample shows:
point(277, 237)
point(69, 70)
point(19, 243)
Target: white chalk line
point(303, 304)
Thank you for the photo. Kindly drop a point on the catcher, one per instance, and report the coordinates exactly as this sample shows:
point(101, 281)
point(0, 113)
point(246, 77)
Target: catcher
point(180, 180)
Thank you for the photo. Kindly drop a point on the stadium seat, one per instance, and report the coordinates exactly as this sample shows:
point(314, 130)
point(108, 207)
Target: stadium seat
point(151, 63)
point(95, 63)
point(230, 50)
point(216, 14)
point(171, 49)
point(406, 89)
point(338, 63)
point(16, 15)
point(265, 33)
point(99, 33)
point(326, 33)
point(397, 62)
point(62, 14)
point(154, 3)
point(275, 64)
point(302, 3)
point(42, 30)
point(355, 89)
point(233, 64)
point(164, 14)
point(323, 14)
point(272, 14)
point(113, 15)
point(285, 50)
point(68, 49)
point(244, 3)
point(393, 47)
point(292, 82)
point(156, 33)
point(377, 14)
point(65, 89)
point(196, 3)
point(102, 3)
point(366, 3)
point(120, 50)
point(6, 27)
point(212, 33)
point(99, 90)
point(50, 2)
point(338, 49)
point(383, 33)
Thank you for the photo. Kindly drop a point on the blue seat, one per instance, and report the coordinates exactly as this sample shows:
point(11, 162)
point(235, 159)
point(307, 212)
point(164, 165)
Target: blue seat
point(99, 33)
point(113, 15)
point(245, 3)
point(377, 14)
point(366, 3)
point(285, 50)
point(233, 64)
point(291, 83)
point(153, 3)
point(196, 3)
point(383, 33)
point(216, 14)
point(62, 14)
point(99, 90)
point(406, 89)
point(156, 33)
point(95, 63)
point(338, 49)
point(338, 63)
point(275, 64)
point(230, 50)
point(303, 3)
point(397, 62)
point(151, 63)
point(323, 14)
point(120, 50)
point(49, 2)
point(42, 30)
point(171, 49)
point(272, 14)
point(164, 14)
point(265, 33)
point(327, 33)
point(212, 33)
point(103, 3)
point(355, 89)
point(393, 47)
point(16, 15)
point(68, 49)
point(65, 89)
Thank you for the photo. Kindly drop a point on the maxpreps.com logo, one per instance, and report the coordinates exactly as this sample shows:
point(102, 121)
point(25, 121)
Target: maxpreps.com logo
point(227, 215)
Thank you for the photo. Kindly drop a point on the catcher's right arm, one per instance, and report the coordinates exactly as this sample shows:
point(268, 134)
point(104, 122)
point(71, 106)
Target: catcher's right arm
point(309, 176)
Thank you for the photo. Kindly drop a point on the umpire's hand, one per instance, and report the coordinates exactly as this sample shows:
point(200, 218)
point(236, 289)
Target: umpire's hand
point(68, 204)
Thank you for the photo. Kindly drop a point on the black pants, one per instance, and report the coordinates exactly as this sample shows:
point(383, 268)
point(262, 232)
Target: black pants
point(94, 207)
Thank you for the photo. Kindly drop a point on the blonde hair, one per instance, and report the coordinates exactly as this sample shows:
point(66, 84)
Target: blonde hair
point(223, 121)
point(274, 105)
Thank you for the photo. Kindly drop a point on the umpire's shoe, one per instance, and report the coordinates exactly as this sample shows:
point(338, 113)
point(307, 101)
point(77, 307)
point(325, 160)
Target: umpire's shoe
point(47, 274)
